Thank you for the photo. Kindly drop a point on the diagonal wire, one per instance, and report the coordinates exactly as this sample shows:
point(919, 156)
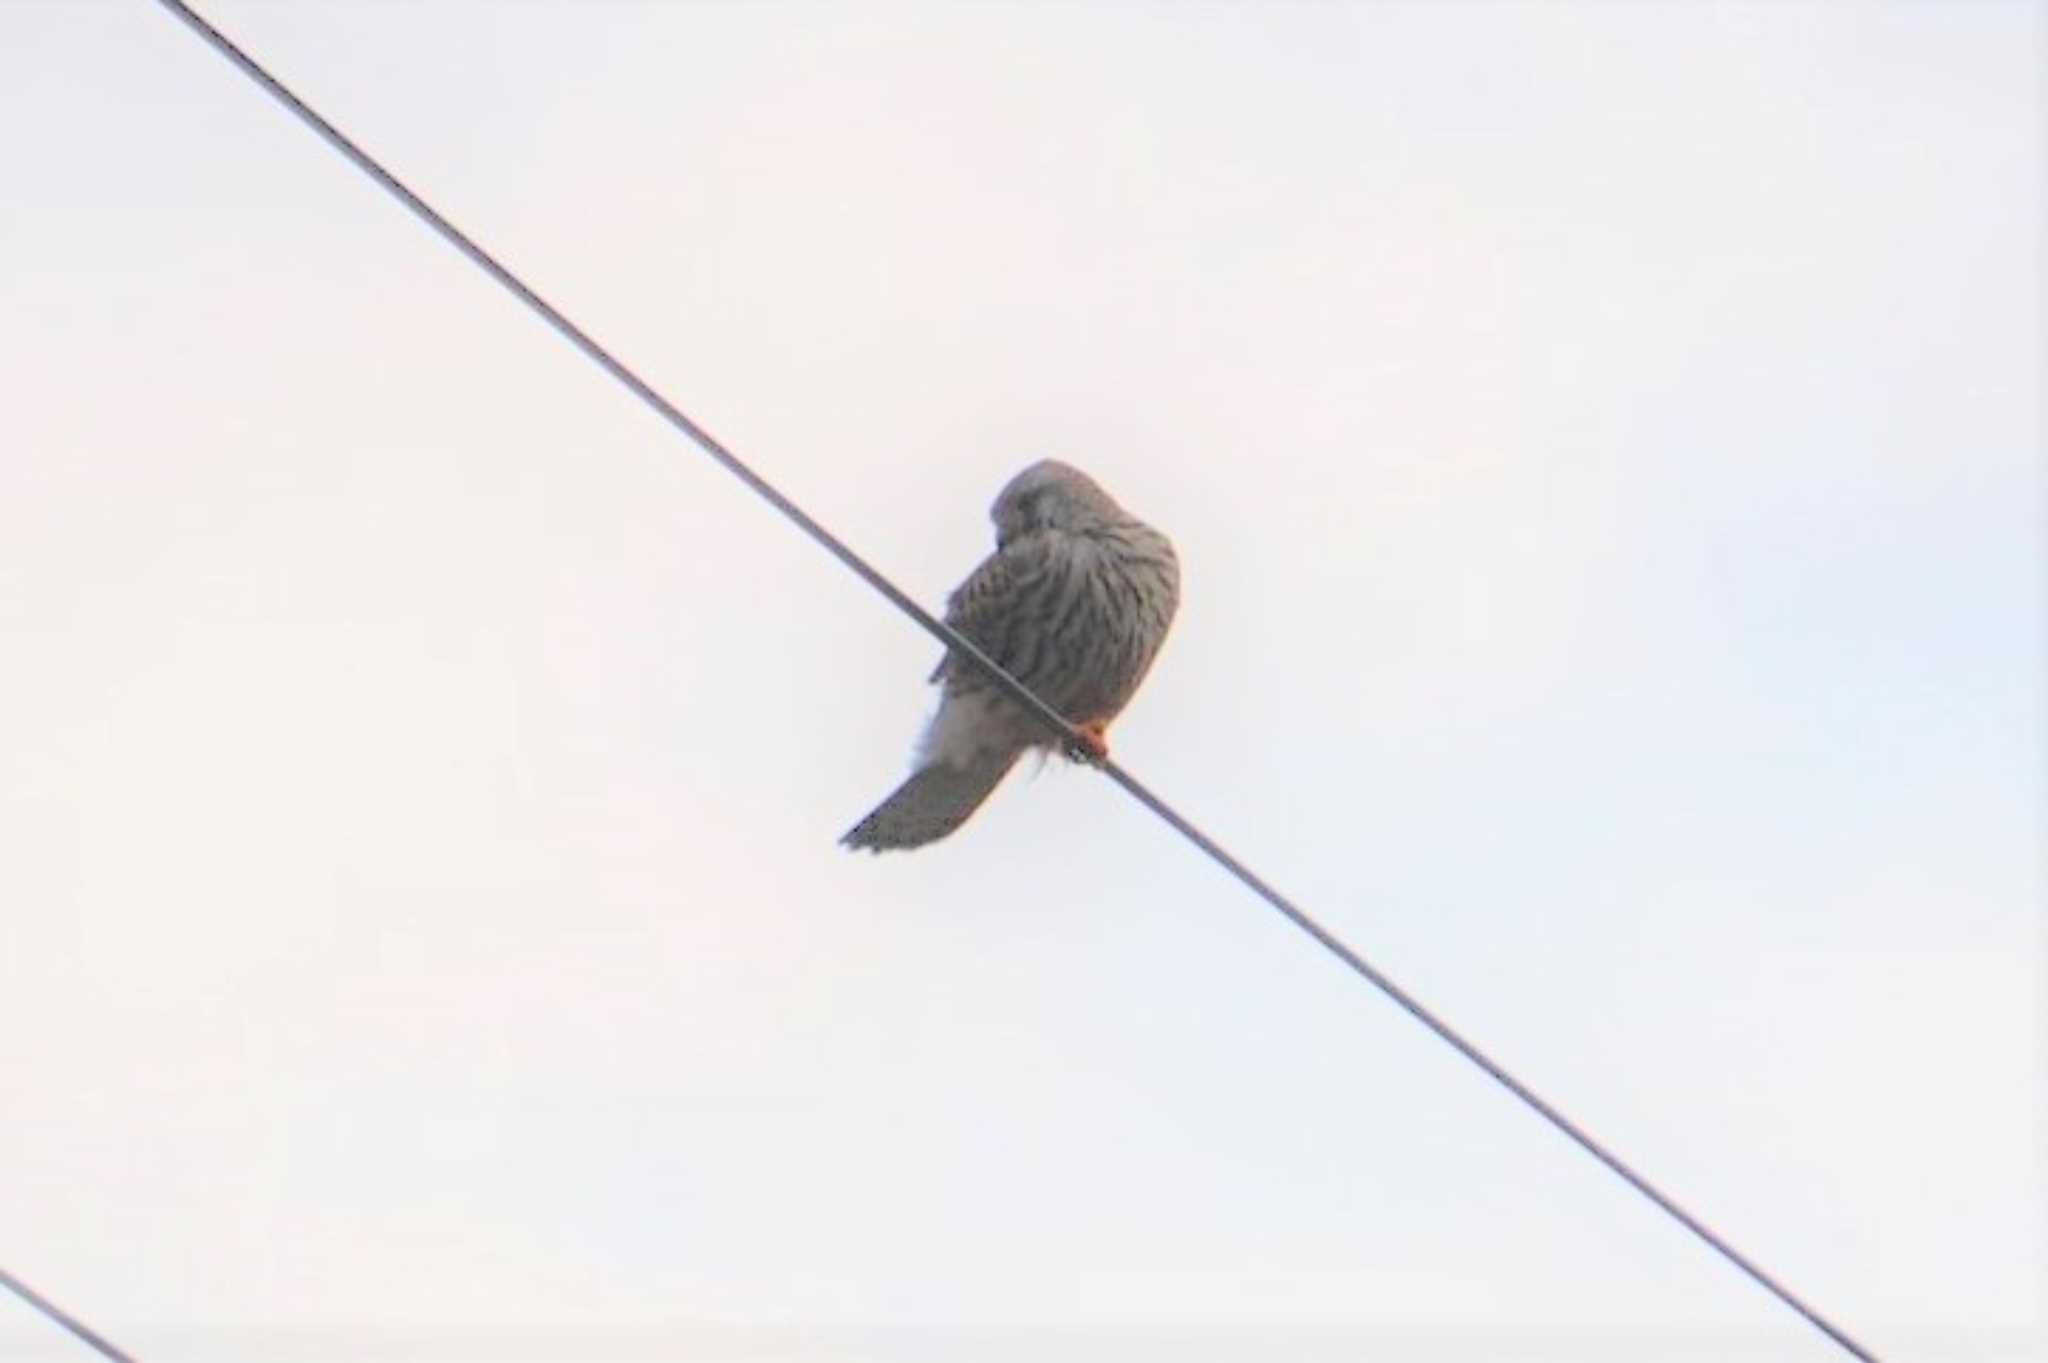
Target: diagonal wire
point(1016, 690)
point(63, 1317)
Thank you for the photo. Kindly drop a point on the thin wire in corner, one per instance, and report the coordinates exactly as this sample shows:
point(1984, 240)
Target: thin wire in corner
point(64, 1318)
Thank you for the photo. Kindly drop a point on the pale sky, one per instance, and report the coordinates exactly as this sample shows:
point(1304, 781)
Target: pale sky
point(1603, 446)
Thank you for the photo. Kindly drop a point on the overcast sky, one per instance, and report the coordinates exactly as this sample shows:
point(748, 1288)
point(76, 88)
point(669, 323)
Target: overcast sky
point(1602, 442)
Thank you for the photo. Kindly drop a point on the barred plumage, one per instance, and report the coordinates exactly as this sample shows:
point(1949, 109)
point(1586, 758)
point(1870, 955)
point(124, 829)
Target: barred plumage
point(1074, 603)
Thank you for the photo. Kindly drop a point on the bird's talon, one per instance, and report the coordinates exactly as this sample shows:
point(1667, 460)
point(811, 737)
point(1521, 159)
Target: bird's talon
point(1091, 744)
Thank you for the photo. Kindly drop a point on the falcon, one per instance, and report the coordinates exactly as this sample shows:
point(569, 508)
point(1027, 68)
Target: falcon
point(1074, 603)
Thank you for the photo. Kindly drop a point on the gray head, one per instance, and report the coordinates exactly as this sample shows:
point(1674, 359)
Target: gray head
point(1050, 496)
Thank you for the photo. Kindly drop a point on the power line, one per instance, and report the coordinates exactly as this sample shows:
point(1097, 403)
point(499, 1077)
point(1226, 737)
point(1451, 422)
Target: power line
point(63, 1317)
point(954, 641)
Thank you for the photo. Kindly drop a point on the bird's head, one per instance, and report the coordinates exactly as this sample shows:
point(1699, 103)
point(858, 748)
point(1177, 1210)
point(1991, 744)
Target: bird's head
point(1049, 496)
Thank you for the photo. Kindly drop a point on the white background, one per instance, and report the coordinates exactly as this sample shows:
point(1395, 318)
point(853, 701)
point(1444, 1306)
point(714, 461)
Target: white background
point(1603, 445)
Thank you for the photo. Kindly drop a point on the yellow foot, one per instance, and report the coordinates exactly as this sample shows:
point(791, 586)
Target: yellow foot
point(1092, 744)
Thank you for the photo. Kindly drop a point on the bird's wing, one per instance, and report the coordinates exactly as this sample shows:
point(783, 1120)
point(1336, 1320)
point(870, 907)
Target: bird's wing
point(991, 606)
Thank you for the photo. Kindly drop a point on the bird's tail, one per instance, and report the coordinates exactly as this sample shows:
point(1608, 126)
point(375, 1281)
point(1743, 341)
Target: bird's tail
point(936, 799)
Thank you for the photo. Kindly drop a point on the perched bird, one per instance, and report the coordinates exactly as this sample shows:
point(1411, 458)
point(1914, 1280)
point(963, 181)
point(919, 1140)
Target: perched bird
point(1074, 603)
